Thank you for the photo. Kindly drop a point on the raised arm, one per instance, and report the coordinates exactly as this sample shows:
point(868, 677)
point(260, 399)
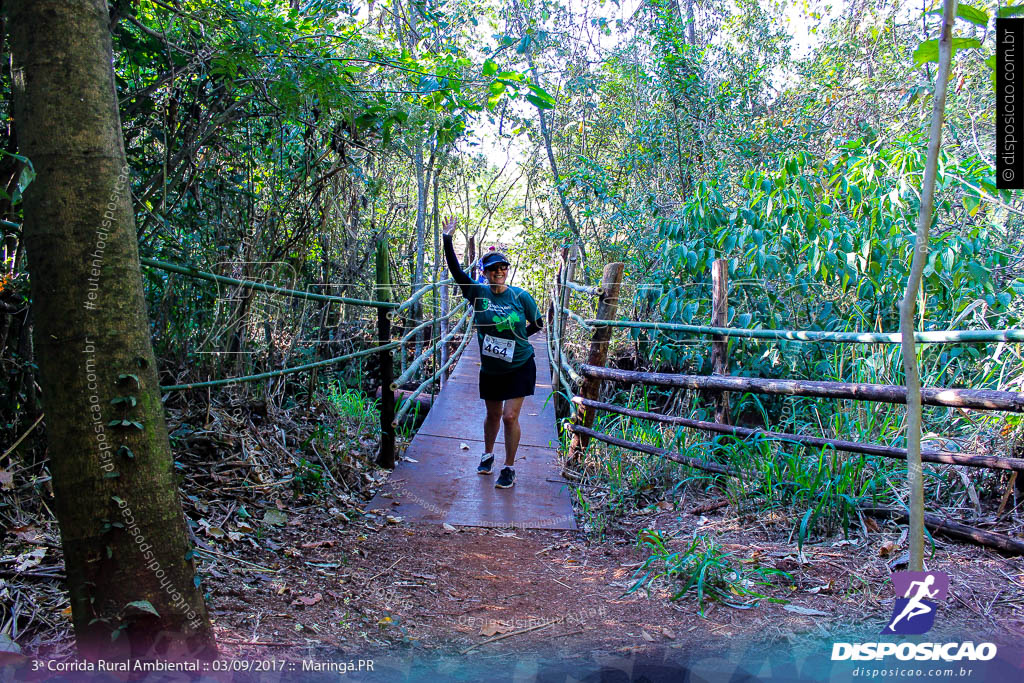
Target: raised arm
point(460, 276)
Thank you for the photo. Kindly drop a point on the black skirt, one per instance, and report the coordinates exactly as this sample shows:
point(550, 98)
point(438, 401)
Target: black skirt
point(514, 384)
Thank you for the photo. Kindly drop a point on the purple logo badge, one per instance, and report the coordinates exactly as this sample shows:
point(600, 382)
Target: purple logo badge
point(914, 612)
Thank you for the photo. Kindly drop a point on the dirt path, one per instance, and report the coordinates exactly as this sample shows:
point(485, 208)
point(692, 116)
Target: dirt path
point(477, 593)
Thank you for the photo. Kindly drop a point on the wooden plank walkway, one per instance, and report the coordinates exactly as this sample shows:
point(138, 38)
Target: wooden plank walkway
point(436, 482)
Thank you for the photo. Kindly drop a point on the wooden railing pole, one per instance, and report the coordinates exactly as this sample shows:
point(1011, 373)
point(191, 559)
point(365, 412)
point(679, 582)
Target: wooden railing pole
point(720, 345)
point(435, 331)
point(386, 455)
point(444, 330)
point(556, 296)
point(568, 273)
point(607, 309)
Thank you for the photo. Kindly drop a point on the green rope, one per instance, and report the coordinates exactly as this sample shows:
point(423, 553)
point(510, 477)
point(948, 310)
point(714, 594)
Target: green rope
point(286, 371)
point(933, 337)
point(258, 286)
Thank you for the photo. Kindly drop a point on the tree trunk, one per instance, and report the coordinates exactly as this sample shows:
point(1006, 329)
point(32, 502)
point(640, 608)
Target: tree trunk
point(122, 532)
point(915, 478)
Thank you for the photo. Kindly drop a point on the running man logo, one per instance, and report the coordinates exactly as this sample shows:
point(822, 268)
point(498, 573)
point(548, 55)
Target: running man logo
point(914, 613)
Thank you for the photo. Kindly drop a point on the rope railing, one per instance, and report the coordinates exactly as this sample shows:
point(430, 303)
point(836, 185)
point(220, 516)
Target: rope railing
point(285, 371)
point(578, 318)
point(410, 399)
point(197, 274)
point(584, 289)
point(407, 305)
point(961, 531)
point(430, 321)
point(977, 399)
point(928, 455)
point(927, 337)
point(386, 310)
point(417, 362)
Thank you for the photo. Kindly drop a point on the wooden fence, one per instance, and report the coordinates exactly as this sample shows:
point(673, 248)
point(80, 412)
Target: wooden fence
point(589, 377)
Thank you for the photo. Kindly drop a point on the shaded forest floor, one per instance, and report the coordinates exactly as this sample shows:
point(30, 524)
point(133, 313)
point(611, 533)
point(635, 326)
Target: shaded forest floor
point(291, 572)
point(367, 587)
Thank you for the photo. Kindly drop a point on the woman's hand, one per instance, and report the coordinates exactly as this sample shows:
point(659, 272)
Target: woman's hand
point(449, 225)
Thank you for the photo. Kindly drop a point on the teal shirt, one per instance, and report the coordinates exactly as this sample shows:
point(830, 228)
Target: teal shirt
point(502, 317)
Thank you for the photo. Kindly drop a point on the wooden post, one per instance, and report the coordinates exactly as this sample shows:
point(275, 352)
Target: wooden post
point(471, 256)
point(570, 275)
point(555, 317)
point(386, 455)
point(607, 309)
point(720, 345)
point(444, 330)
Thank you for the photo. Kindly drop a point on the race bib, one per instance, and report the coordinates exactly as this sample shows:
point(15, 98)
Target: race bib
point(498, 348)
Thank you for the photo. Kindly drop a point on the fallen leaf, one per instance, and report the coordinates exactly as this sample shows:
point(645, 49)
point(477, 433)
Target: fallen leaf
point(394, 520)
point(668, 633)
point(664, 505)
point(6, 479)
point(447, 527)
point(275, 518)
point(215, 532)
point(647, 636)
point(887, 549)
point(318, 544)
point(806, 611)
point(29, 559)
point(141, 607)
point(8, 646)
point(903, 559)
point(29, 534)
point(303, 600)
point(493, 628)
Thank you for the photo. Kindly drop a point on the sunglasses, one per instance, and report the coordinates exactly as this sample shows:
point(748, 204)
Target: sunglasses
point(502, 267)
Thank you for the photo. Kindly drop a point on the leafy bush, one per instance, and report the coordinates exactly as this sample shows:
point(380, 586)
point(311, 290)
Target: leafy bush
point(705, 568)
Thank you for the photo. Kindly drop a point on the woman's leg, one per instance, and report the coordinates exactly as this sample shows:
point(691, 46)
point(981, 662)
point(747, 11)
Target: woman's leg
point(510, 418)
point(491, 425)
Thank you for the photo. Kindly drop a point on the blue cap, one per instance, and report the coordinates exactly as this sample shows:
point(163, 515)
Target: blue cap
point(493, 258)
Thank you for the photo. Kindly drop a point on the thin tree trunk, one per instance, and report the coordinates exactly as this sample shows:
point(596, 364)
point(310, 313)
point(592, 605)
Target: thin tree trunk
point(915, 478)
point(556, 178)
point(122, 531)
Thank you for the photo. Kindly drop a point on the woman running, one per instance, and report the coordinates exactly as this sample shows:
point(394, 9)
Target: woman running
point(504, 317)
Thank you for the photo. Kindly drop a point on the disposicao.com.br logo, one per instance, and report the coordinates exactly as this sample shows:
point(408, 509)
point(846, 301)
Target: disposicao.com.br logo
point(914, 614)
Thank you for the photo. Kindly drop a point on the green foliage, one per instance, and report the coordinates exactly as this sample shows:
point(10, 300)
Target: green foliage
point(308, 477)
point(704, 568)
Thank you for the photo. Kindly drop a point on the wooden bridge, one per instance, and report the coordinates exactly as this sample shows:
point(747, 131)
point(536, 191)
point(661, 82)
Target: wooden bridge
point(436, 481)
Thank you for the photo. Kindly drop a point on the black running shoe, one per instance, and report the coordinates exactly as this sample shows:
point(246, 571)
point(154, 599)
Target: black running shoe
point(506, 479)
point(485, 465)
